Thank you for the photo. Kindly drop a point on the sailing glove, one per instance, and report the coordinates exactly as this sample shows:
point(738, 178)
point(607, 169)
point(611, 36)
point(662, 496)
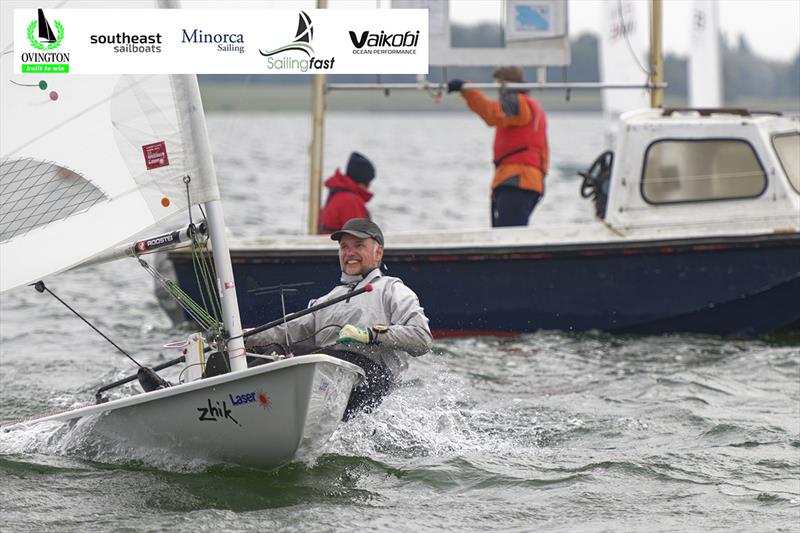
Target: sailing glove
point(454, 85)
point(351, 333)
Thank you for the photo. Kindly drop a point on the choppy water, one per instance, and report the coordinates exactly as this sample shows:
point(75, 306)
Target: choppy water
point(549, 431)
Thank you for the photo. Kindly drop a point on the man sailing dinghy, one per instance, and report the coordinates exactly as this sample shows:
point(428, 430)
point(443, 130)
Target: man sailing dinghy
point(105, 160)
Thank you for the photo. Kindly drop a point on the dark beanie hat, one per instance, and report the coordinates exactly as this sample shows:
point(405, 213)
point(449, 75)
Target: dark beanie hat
point(360, 169)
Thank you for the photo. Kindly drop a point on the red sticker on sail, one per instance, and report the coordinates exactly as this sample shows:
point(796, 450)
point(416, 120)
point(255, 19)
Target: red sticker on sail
point(155, 155)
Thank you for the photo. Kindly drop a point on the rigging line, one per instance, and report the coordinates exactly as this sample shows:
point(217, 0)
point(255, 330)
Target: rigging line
point(200, 267)
point(628, 41)
point(40, 287)
point(52, 128)
point(285, 329)
point(197, 313)
point(323, 328)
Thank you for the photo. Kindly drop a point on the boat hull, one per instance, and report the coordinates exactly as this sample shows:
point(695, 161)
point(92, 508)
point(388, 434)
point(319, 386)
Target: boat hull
point(262, 417)
point(726, 285)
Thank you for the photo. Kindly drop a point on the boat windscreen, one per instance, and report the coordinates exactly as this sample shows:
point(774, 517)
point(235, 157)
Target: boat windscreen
point(787, 146)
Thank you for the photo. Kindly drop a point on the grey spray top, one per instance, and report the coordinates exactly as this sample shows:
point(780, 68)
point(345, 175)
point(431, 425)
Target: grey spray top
point(390, 303)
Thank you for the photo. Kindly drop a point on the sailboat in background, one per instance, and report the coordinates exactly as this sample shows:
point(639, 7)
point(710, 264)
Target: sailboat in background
point(705, 72)
point(624, 47)
point(86, 169)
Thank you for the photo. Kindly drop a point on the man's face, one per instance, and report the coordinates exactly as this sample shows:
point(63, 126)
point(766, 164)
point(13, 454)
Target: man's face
point(357, 257)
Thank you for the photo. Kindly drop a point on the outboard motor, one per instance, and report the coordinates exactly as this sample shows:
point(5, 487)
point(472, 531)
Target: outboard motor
point(596, 181)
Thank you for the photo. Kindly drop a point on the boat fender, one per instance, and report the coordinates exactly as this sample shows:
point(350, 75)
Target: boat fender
point(149, 380)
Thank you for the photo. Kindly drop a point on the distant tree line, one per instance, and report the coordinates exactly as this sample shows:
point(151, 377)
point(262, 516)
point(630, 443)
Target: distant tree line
point(745, 74)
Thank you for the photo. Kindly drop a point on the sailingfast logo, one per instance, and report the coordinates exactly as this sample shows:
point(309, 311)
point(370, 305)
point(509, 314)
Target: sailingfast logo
point(301, 44)
point(43, 39)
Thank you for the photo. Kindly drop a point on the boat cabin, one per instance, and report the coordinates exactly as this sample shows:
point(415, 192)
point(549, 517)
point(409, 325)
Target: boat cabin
point(675, 168)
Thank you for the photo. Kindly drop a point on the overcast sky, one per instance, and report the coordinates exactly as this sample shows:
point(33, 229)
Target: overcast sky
point(772, 27)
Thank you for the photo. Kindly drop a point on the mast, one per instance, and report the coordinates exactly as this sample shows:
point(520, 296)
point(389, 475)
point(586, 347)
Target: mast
point(226, 287)
point(317, 145)
point(656, 59)
point(216, 226)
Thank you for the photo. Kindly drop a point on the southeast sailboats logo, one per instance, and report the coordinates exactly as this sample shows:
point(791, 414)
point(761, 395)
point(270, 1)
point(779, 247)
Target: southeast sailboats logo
point(301, 43)
point(47, 39)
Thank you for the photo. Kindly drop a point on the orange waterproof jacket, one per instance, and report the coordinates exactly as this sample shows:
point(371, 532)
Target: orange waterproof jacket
point(520, 146)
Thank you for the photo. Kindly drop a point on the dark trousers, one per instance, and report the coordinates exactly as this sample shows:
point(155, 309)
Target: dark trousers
point(370, 393)
point(512, 206)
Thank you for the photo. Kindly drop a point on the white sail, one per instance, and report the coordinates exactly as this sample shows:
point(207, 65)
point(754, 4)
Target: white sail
point(87, 163)
point(705, 74)
point(624, 47)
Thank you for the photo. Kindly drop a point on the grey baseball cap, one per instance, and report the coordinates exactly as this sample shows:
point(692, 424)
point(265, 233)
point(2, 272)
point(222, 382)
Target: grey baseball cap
point(363, 228)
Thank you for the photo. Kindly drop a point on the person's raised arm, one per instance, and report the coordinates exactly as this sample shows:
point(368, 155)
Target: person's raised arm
point(509, 112)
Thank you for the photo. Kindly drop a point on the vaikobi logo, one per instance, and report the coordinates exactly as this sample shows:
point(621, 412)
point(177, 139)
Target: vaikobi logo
point(385, 43)
point(301, 43)
point(42, 38)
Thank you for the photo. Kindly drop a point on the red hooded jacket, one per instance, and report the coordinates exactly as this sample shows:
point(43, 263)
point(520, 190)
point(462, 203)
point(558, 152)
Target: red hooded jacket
point(346, 200)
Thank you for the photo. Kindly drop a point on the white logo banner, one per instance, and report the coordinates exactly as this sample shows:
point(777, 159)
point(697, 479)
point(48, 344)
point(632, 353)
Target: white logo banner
point(221, 41)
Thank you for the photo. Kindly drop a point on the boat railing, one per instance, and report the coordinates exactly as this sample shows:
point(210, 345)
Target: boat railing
point(708, 111)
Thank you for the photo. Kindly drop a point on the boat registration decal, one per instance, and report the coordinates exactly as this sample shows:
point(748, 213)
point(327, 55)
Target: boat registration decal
point(214, 412)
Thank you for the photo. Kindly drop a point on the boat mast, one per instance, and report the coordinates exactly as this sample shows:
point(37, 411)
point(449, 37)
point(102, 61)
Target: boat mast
point(216, 227)
point(317, 144)
point(193, 110)
point(656, 59)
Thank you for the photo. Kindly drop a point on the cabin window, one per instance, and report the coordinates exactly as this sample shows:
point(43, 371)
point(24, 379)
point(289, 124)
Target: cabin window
point(684, 170)
point(788, 148)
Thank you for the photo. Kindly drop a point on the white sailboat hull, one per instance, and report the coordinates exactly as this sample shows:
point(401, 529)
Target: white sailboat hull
point(263, 416)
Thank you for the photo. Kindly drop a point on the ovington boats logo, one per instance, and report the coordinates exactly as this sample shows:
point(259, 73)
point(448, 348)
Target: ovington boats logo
point(42, 38)
point(301, 43)
point(47, 39)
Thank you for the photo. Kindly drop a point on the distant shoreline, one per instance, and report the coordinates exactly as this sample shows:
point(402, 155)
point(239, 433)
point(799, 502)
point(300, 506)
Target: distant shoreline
point(232, 96)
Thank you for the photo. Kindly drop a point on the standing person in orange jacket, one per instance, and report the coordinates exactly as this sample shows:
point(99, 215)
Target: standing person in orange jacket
point(520, 146)
point(348, 194)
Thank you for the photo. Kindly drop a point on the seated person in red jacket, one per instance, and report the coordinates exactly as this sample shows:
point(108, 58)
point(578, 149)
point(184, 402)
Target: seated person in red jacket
point(348, 194)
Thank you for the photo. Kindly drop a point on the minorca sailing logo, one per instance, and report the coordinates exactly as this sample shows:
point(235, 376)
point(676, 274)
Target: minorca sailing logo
point(47, 39)
point(301, 43)
point(225, 42)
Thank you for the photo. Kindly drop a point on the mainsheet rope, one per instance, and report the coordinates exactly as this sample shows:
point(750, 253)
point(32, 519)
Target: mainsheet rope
point(207, 315)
